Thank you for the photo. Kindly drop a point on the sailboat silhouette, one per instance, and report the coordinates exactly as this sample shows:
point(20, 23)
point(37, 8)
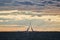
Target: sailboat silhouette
point(30, 27)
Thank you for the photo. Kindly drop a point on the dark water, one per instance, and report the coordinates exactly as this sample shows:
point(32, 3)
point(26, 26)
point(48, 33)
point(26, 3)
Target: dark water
point(29, 35)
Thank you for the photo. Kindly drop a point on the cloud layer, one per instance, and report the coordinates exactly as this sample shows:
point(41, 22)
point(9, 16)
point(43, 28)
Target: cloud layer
point(30, 2)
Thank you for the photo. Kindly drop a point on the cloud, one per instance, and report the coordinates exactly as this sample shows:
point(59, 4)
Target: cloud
point(5, 19)
point(24, 3)
point(38, 2)
point(32, 4)
point(34, 23)
point(57, 0)
point(58, 5)
point(26, 22)
point(5, 1)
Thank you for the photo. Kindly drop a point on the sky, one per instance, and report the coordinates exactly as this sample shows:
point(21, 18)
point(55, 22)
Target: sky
point(49, 6)
point(34, 2)
point(31, 4)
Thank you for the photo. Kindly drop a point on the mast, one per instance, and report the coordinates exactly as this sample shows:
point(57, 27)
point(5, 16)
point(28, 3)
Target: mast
point(30, 27)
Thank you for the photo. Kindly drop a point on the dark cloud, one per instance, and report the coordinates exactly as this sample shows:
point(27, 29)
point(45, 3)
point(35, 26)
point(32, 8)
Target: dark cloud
point(57, 5)
point(30, 3)
point(51, 2)
point(5, 1)
point(2, 4)
point(24, 3)
point(57, 0)
point(39, 3)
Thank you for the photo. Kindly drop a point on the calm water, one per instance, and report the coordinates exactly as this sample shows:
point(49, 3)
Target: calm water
point(29, 35)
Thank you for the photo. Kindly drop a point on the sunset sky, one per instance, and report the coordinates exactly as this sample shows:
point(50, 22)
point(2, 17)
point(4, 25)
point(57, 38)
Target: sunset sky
point(31, 3)
point(44, 6)
point(8, 17)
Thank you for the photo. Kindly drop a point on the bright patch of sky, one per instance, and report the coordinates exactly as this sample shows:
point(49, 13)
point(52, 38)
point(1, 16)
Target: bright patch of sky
point(26, 19)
